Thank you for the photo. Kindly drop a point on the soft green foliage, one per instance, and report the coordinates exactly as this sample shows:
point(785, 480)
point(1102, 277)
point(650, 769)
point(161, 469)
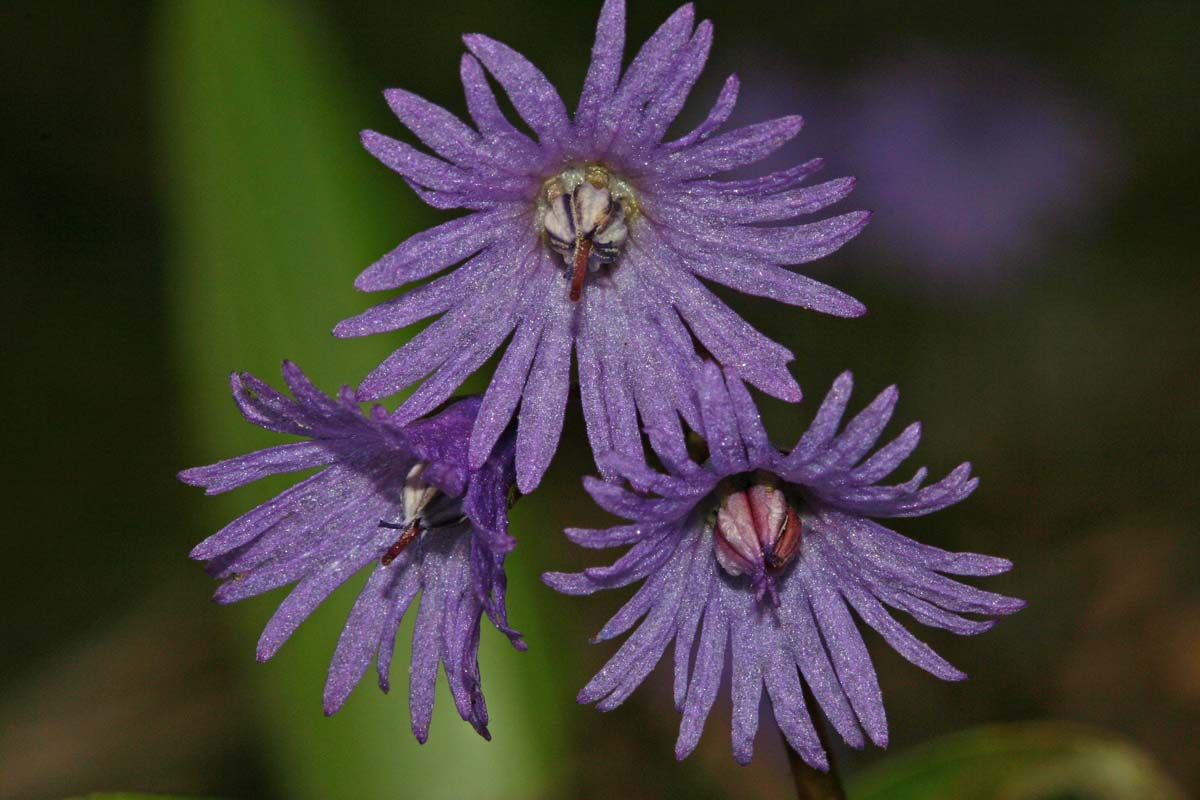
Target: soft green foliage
point(133, 796)
point(1029, 761)
point(275, 208)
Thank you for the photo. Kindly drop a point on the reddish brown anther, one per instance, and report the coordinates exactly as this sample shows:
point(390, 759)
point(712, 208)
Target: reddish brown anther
point(778, 554)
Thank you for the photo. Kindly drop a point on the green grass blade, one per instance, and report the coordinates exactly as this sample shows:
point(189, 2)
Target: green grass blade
point(274, 209)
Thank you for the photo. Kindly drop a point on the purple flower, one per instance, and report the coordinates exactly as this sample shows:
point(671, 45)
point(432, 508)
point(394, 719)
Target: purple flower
point(980, 162)
point(594, 235)
point(401, 496)
point(981, 166)
point(766, 553)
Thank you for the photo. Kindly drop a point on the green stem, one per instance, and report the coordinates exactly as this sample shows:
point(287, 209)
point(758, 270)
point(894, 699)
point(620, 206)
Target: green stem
point(812, 783)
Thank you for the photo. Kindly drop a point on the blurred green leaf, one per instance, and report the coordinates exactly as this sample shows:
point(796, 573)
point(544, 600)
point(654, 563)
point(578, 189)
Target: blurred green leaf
point(275, 208)
point(132, 796)
point(1027, 761)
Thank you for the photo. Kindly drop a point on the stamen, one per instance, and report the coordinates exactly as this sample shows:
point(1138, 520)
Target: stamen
point(778, 553)
point(757, 533)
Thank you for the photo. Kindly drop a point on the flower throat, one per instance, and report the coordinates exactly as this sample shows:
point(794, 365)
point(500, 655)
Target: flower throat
point(584, 214)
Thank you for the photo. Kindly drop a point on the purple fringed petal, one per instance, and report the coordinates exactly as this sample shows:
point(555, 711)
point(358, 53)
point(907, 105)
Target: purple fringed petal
point(505, 390)
point(491, 586)
point(453, 140)
point(234, 472)
point(618, 501)
point(544, 403)
point(531, 93)
point(725, 446)
point(638, 655)
point(644, 76)
point(663, 109)
point(701, 582)
point(430, 299)
point(487, 497)
point(750, 427)
point(897, 636)
point(261, 405)
point(436, 175)
point(435, 249)
point(725, 335)
point(767, 184)
point(732, 150)
point(460, 327)
point(825, 424)
point(706, 677)
point(301, 500)
point(648, 595)
point(360, 639)
point(644, 479)
point(620, 407)
point(325, 521)
point(851, 661)
point(500, 134)
point(747, 676)
point(750, 355)
point(717, 116)
point(318, 584)
point(605, 69)
point(607, 537)
point(788, 703)
point(797, 625)
point(887, 458)
point(811, 655)
point(437, 128)
point(861, 433)
point(469, 355)
point(591, 356)
point(763, 279)
point(422, 670)
point(638, 561)
point(791, 244)
point(329, 526)
point(751, 208)
point(400, 596)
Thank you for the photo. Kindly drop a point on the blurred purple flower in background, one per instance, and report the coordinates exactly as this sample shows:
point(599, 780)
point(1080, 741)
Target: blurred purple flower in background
point(766, 553)
point(593, 236)
point(973, 164)
point(398, 495)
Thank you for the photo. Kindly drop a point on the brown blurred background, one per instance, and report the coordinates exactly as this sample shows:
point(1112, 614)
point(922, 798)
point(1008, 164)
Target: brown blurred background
point(1032, 286)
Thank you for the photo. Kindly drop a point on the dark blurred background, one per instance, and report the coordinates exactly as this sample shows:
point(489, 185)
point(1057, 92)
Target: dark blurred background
point(184, 195)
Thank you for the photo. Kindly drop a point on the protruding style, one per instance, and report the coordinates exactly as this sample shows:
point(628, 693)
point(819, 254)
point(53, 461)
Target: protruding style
point(594, 236)
point(378, 478)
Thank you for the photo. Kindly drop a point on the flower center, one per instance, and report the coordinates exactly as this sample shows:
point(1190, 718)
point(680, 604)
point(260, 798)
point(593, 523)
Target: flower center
point(757, 532)
point(583, 215)
point(425, 507)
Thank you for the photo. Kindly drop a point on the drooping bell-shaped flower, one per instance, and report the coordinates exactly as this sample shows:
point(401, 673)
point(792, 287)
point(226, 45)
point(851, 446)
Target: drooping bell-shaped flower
point(400, 497)
point(764, 554)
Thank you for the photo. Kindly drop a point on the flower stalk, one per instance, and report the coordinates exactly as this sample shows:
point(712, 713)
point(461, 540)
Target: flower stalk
point(812, 783)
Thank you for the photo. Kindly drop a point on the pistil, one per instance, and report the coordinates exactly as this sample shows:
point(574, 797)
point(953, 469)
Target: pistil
point(425, 508)
point(583, 252)
point(411, 531)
